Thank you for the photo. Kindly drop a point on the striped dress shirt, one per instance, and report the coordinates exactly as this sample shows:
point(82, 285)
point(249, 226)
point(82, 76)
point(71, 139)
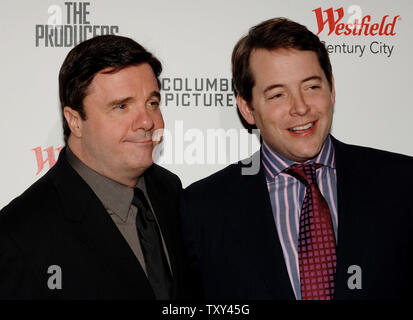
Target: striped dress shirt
point(287, 195)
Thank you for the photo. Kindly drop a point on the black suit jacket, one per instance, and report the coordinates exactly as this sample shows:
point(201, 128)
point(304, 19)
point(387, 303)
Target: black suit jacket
point(60, 221)
point(234, 247)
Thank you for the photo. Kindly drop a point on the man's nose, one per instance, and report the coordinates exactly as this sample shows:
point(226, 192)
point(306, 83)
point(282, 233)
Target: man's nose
point(142, 119)
point(299, 107)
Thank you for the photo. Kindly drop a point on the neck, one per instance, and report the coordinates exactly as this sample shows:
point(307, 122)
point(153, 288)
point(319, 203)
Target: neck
point(129, 179)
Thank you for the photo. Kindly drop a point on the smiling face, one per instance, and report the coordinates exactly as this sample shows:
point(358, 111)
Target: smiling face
point(292, 102)
point(122, 113)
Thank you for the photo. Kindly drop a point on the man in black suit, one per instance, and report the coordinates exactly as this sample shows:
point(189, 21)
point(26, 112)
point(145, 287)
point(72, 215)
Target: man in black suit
point(103, 223)
point(319, 219)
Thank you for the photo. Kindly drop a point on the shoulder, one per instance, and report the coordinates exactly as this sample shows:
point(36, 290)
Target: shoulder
point(372, 157)
point(218, 179)
point(227, 180)
point(162, 177)
point(32, 207)
point(33, 197)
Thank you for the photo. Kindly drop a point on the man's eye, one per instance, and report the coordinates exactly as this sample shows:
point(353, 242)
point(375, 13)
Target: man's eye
point(153, 103)
point(276, 96)
point(314, 87)
point(120, 106)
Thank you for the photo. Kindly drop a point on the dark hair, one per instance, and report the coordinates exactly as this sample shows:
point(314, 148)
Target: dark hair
point(273, 34)
point(91, 56)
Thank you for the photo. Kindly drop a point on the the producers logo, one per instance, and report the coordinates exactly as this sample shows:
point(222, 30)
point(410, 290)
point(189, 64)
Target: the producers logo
point(77, 26)
point(357, 25)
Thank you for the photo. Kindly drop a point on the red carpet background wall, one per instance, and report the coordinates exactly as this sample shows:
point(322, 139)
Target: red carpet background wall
point(370, 45)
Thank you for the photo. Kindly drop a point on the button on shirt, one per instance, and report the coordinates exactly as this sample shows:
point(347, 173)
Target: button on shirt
point(287, 195)
point(117, 200)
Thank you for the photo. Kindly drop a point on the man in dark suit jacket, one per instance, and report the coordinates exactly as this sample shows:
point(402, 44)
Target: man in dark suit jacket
point(103, 223)
point(246, 232)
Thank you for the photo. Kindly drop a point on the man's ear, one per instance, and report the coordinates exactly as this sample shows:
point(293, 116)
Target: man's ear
point(245, 110)
point(74, 121)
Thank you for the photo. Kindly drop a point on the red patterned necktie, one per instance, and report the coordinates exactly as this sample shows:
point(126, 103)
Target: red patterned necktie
point(316, 241)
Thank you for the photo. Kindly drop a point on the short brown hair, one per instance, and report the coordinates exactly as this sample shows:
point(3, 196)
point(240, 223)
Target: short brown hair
point(273, 34)
point(89, 57)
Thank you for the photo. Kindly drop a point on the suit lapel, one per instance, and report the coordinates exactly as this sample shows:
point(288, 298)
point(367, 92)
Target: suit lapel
point(97, 230)
point(351, 228)
point(265, 244)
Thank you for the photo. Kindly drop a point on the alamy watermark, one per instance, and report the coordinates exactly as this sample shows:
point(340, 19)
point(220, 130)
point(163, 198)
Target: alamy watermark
point(194, 146)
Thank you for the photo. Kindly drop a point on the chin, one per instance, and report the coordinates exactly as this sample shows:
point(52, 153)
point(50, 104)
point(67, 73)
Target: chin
point(145, 163)
point(140, 162)
point(303, 153)
point(309, 154)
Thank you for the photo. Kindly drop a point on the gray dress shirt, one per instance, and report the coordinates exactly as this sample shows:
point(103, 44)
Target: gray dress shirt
point(117, 200)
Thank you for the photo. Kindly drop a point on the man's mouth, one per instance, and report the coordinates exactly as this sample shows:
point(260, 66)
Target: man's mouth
point(303, 128)
point(147, 141)
point(140, 140)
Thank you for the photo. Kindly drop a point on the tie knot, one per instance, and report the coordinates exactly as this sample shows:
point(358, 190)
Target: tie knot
point(306, 173)
point(139, 201)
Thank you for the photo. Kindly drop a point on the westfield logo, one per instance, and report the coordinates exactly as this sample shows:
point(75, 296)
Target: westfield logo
point(363, 26)
point(52, 154)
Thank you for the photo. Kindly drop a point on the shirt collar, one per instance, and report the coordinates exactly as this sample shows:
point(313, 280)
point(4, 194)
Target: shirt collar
point(115, 197)
point(274, 163)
